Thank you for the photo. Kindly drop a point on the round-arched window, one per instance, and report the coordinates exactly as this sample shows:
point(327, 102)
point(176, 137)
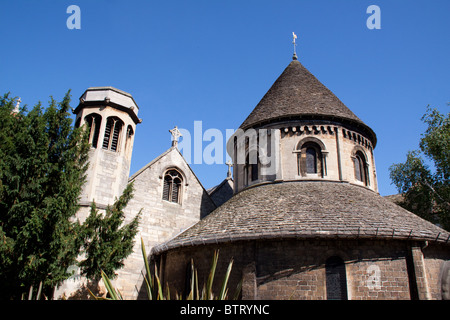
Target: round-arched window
point(310, 160)
point(361, 168)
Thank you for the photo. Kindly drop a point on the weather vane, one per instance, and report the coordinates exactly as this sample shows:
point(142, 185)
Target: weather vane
point(294, 36)
point(175, 135)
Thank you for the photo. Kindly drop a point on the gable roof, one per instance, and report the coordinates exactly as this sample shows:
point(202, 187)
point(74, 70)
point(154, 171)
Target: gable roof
point(305, 210)
point(162, 155)
point(222, 192)
point(148, 165)
point(297, 94)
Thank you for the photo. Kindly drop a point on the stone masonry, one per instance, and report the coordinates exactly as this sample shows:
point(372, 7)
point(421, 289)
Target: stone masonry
point(295, 269)
point(160, 220)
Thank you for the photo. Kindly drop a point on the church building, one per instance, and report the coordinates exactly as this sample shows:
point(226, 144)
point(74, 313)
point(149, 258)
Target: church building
point(300, 215)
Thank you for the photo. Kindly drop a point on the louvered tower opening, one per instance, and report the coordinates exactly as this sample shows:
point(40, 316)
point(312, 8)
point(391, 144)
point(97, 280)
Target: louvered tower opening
point(112, 134)
point(93, 121)
point(109, 124)
point(115, 137)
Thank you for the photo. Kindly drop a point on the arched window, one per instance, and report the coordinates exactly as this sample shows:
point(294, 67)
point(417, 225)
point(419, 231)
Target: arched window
point(336, 279)
point(112, 134)
point(310, 159)
point(251, 167)
point(247, 171)
point(94, 121)
point(129, 132)
point(129, 137)
point(254, 166)
point(172, 186)
point(361, 168)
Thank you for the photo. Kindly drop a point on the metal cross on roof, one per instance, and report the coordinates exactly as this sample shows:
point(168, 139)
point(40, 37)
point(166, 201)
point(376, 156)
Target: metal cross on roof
point(294, 36)
point(175, 135)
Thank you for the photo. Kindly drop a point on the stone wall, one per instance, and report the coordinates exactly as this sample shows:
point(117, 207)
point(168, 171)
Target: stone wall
point(160, 219)
point(108, 171)
point(295, 269)
point(434, 260)
point(338, 144)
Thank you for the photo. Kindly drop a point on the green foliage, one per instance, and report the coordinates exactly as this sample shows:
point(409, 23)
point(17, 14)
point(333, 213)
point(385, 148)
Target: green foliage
point(426, 191)
point(43, 160)
point(106, 241)
point(43, 163)
point(155, 291)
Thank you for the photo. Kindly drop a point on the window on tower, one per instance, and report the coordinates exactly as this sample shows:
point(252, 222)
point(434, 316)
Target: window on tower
point(361, 168)
point(93, 121)
point(310, 159)
point(113, 130)
point(251, 167)
point(172, 186)
point(128, 140)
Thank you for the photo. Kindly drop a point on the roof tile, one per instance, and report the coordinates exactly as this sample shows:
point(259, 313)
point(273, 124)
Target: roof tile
point(305, 209)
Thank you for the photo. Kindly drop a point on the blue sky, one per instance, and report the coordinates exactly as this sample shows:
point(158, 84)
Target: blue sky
point(212, 61)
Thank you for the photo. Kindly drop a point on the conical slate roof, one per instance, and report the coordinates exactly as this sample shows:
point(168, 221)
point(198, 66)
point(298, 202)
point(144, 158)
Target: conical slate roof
point(297, 94)
point(307, 210)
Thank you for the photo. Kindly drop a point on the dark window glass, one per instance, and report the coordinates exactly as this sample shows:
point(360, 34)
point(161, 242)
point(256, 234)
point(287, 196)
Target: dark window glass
point(361, 172)
point(254, 165)
point(254, 171)
point(311, 160)
point(358, 171)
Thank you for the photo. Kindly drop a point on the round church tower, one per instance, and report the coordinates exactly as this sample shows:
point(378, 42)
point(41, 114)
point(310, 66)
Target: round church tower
point(306, 220)
point(301, 131)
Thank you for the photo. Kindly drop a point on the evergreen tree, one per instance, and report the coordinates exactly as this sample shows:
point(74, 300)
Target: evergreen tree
point(107, 241)
point(425, 189)
point(42, 168)
point(43, 161)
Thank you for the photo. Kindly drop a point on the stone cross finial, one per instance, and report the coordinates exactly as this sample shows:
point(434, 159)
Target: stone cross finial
point(16, 109)
point(176, 134)
point(229, 164)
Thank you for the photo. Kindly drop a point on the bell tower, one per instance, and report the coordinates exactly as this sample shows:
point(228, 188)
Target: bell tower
point(111, 116)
